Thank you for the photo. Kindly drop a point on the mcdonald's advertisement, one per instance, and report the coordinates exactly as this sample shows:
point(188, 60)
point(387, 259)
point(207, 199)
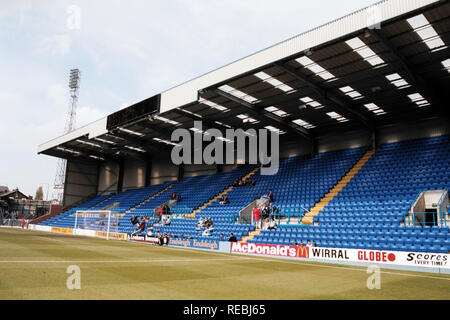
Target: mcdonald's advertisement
point(401, 258)
point(270, 250)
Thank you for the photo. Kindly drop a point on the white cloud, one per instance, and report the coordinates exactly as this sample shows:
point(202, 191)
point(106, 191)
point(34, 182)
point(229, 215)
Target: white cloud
point(54, 45)
point(87, 114)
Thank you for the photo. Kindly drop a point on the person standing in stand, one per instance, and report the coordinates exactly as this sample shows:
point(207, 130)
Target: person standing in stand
point(257, 217)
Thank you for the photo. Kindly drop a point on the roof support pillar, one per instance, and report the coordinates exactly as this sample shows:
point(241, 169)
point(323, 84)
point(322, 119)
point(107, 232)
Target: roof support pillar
point(120, 177)
point(148, 172)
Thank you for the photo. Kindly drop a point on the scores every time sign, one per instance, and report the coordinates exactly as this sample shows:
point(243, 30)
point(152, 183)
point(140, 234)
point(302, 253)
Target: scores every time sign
point(230, 310)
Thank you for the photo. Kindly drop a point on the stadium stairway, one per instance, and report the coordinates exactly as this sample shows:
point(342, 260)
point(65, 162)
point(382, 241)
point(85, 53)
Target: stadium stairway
point(211, 201)
point(148, 199)
point(308, 217)
point(251, 235)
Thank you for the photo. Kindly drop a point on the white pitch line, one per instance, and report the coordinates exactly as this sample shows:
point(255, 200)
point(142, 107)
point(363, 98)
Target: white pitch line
point(362, 269)
point(318, 264)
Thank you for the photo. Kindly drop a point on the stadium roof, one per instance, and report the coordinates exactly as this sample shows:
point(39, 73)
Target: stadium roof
point(380, 65)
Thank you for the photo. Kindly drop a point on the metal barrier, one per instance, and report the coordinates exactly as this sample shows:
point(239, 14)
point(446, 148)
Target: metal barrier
point(443, 206)
point(421, 219)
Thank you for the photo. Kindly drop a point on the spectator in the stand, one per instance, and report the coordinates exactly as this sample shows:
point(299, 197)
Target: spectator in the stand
point(13, 218)
point(314, 244)
point(271, 195)
point(166, 209)
point(232, 238)
point(140, 229)
point(235, 183)
point(173, 196)
point(182, 236)
point(149, 232)
point(257, 197)
point(257, 216)
point(274, 209)
point(200, 224)
point(265, 212)
point(295, 243)
point(241, 183)
point(208, 222)
point(168, 222)
point(272, 224)
point(208, 232)
point(221, 237)
point(190, 237)
point(160, 212)
point(160, 239)
point(224, 200)
point(308, 243)
point(252, 182)
point(165, 239)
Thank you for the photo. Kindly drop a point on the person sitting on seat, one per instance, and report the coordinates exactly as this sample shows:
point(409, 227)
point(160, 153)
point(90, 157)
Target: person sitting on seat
point(208, 222)
point(235, 183)
point(208, 232)
point(167, 223)
point(224, 200)
point(200, 224)
point(272, 224)
point(232, 238)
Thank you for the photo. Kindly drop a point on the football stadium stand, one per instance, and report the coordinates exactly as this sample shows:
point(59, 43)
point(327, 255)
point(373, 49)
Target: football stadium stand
point(361, 108)
point(368, 212)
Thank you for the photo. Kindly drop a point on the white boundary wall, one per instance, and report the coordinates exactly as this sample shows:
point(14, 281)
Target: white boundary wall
point(415, 261)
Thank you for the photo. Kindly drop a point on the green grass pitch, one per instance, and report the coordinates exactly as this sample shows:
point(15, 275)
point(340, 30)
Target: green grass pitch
point(33, 265)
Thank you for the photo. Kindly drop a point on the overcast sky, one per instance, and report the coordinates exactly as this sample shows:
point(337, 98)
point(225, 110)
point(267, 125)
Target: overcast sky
point(127, 51)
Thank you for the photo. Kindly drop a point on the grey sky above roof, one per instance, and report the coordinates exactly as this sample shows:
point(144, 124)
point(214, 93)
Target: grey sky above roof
point(126, 51)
